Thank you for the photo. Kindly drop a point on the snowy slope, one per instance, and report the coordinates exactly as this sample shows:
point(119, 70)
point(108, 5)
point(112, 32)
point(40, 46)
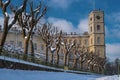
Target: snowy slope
point(42, 66)
point(7, 74)
point(29, 63)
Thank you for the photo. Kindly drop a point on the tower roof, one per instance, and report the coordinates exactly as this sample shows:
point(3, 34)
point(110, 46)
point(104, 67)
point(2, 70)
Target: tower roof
point(97, 11)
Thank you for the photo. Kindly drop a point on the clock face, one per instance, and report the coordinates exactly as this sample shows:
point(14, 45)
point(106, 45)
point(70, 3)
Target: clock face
point(98, 17)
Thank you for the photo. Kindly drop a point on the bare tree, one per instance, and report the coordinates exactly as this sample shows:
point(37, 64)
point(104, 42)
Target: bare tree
point(52, 50)
point(7, 26)
point(83, 56)
point(46, 33)
point(55, 44)
point(57, 40)
point(117, 66)
point(76, 54)
point(28, 21)
point(68, 47)
point(91, 60)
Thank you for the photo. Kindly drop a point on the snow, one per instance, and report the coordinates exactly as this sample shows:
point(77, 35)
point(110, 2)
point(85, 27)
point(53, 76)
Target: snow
point(53, 49)
point(62, 43)
point(13, 49)
point(6, 14)
point(8, 74)
point(11, 21)
point(20, 8)
point(43, 66)
point(114, 77)
point(6, 2)
point(25, 37)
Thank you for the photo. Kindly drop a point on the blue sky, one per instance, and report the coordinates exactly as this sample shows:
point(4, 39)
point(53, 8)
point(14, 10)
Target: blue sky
point(72, 16)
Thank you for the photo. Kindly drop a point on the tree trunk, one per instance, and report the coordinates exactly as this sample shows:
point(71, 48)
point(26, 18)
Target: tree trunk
point(51, 58)
point(81, 65)
point(91, 67)
point(32, 50)
point(4, 36)
point(25, 49)
point(46, 53)
point(57, 57)
point(65, 59)
point(75, 63)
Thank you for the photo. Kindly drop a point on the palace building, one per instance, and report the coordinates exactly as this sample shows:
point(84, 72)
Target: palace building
point(93, 40)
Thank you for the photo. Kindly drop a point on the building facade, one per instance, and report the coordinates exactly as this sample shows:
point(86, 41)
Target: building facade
point(93, 40)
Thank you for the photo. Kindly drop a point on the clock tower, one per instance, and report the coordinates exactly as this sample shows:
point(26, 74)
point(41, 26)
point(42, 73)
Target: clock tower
point(97, 33)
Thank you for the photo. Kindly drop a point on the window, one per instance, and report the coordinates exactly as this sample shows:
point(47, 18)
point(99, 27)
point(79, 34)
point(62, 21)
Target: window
point(20, 44)
point(98, 27)
point(42, 47)
point(70, 40)
point(98, 17)
point(79, 41)
point(91, 41)
point(35, 46)
point(98, 52)
point(91, 29)
point(85, 41)
point(98, 40)
point(91, 19)
point(12, 42)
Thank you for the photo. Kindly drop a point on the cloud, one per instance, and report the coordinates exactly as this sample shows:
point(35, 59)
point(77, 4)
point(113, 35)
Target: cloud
point(113, 50)
point(113, 32)
point(67, 26)
point(62, 24)
point(83, 25)
point(115, 16)
point(114, 20)
point(61, 3)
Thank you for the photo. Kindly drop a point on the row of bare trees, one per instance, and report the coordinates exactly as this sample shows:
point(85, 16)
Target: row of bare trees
point(55, 40)
point(7, 25)
point(26, 19)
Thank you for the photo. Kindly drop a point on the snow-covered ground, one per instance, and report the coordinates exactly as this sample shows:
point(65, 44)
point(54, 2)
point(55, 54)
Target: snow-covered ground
point(114, 77)
point(8, 74)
